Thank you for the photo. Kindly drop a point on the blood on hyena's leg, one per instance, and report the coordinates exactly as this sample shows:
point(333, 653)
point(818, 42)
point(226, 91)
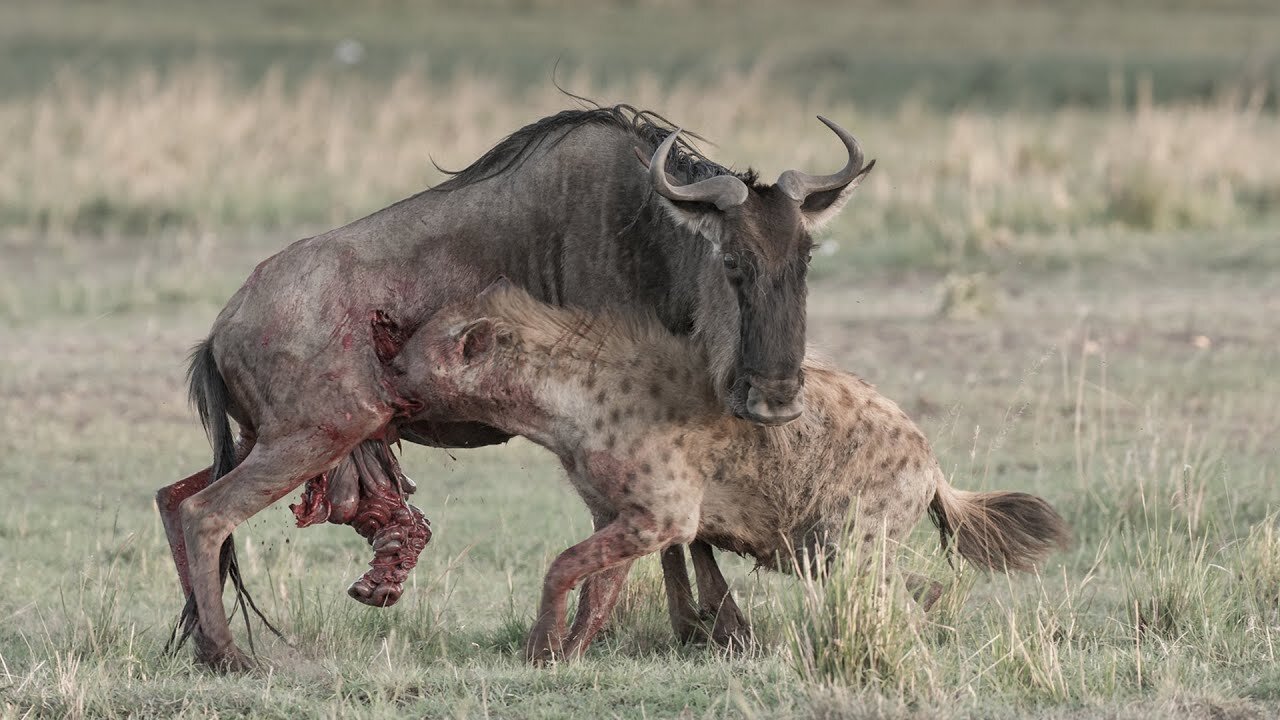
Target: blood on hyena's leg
point(596, 599)
point(621, 541)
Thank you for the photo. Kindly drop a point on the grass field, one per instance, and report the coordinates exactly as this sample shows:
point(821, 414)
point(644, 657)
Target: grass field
point(1073, 291)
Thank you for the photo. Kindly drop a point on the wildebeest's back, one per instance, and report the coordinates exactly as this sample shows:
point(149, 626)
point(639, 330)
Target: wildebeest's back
point(309, 308)
point(304, 324)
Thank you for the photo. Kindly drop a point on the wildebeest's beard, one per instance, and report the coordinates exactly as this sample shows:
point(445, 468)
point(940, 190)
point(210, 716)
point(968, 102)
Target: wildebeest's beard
point(752, 329)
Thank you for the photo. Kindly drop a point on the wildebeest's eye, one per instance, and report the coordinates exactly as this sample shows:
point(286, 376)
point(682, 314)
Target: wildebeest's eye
point(730, 261)
point(808, 255)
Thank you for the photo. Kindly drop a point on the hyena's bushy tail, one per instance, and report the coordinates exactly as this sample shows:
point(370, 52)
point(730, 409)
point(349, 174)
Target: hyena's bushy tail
point(998, 530)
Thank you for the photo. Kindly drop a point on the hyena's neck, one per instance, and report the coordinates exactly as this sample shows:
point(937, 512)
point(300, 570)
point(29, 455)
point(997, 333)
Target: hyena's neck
point(570, 399)
point(540, 397)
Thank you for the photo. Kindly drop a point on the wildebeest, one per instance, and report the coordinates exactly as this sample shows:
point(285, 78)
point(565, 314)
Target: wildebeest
point(299, 356)
point(630, 412)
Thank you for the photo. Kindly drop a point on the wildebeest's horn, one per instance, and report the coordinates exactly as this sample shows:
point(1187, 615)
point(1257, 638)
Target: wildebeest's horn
point(724, 191)
point(798, 186)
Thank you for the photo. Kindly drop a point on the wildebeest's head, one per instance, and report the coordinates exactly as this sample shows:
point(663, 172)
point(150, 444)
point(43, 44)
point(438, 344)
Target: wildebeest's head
point(751, 307)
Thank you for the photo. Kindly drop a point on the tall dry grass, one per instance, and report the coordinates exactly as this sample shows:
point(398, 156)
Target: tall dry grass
point(191, 148)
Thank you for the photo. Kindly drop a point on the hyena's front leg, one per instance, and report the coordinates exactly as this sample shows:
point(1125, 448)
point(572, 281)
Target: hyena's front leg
point(622, 541)
point(596, 599)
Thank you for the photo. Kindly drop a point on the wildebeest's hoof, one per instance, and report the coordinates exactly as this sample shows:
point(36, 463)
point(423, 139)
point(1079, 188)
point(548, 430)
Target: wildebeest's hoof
point(734, 640)
point(383, 595)
point(229, 659)
point(729, 628)
point(929, 595)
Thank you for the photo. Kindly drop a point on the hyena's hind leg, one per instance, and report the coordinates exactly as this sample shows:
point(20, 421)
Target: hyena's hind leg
point(925, 591)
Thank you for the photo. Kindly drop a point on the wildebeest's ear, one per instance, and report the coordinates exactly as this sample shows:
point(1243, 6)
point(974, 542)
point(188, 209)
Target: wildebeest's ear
point(698, 206)
point(700, 218)
point(475, 339)
point(501, 285)
point(821, 207)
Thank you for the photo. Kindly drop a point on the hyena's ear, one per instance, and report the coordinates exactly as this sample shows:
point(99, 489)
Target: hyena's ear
point(477, 338)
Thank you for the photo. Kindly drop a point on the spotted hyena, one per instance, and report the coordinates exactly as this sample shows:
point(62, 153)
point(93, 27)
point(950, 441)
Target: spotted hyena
point(628, 409)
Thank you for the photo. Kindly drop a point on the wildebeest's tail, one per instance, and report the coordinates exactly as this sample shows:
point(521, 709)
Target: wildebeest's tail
point(998, 530)
point(208, 393)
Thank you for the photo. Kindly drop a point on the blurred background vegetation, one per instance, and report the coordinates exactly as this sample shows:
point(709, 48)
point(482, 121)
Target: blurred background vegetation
point(1003, 129)
point(967, 53)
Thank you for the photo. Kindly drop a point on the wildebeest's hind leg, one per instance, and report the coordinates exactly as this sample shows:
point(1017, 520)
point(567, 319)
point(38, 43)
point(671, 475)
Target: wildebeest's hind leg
point(272, 469)
point(729, 627)
point(169, 498)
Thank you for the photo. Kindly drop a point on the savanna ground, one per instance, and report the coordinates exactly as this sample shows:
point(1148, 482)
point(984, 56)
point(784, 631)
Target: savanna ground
point(1064, 267)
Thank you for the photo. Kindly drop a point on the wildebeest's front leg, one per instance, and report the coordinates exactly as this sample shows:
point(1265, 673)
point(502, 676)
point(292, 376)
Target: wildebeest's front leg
point(621, 541)
point(729, 626)
point(675, 578)
point(271, 470)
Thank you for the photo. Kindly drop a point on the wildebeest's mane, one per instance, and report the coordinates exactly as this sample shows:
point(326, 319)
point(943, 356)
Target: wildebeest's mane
point(606, 334)
point(685, 161)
